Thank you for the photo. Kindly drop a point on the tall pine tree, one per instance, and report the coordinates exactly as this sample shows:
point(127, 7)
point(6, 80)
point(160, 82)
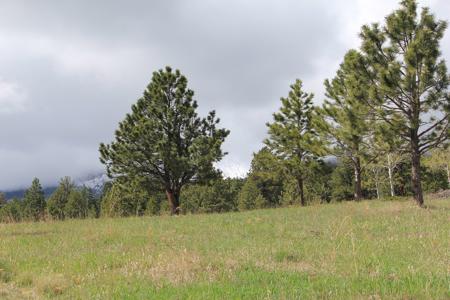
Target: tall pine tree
point(346, 119)
point(34, 201)
point(292, 137)
point(409, 80)
point(164, 140)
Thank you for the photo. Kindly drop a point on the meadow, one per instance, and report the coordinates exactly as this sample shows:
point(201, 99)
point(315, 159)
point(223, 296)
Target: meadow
point(369, 249)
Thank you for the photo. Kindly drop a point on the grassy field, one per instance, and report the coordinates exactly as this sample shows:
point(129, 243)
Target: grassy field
point(369, 250)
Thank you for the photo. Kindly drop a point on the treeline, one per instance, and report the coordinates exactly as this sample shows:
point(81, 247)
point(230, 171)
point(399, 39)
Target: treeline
point(266, 186)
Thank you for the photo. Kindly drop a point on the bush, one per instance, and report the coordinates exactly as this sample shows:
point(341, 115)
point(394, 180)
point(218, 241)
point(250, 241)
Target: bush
point(215, 197)
point(342, 182)
point(77, 205)
point(12, 211)
point(250, 197)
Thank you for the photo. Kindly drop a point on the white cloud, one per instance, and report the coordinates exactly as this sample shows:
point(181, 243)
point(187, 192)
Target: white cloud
point(12, 98)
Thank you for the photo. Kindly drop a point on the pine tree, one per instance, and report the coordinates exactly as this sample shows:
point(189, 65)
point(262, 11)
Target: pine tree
point(292, 136)
point(76, 206)
point(164, 140)
point(439, 159)
point(409, 80)
point(57, 201)
point(34, 201)
point(346, 120)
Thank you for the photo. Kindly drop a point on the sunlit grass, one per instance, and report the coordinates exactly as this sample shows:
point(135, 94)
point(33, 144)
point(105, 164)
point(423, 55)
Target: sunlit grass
point(369, 249)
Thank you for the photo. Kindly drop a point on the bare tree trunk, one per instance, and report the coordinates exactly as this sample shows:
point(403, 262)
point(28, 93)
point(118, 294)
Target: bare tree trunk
point(416, 179)
point(357, 168)
point(390, 172)
point(302, 194)
point(377, 185)
point(174, 202)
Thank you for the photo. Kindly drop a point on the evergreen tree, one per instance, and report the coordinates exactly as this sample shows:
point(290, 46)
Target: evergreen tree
point(292, 136)
point(57, 201)
point(163, 139)
point(34, 201)
point(346, 119)
point(12, 211)
point(125, 198)
point(250, 196)
point(92, 200)
point(409, 80)
point(439, 159)
point(267, 172)
point(76, 206)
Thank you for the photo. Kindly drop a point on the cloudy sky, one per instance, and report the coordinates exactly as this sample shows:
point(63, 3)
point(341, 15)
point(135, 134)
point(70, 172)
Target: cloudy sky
point(69, 70)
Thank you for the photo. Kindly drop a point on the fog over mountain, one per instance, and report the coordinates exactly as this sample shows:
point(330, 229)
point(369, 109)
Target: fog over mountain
point(70, 70)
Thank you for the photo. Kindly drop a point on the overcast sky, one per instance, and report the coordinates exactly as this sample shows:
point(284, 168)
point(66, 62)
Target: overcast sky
point(70, 70)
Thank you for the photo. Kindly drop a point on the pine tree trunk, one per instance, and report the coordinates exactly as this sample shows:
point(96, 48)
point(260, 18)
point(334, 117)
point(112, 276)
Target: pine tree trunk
point(390, 172)
point(174, 201)
point(416, 179)
point(302, 194)
point(357, 169)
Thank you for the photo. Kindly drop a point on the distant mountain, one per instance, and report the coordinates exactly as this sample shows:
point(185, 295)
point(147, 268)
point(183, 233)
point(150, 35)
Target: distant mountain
point(20, 193)
point(95, 182)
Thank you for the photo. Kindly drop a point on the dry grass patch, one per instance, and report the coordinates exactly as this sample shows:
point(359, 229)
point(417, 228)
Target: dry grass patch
point(52, 285)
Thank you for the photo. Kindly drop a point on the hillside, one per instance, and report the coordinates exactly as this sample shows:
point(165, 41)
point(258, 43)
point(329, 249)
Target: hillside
point(371, 249)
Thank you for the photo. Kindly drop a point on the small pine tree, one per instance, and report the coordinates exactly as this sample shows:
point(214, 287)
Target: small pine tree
point(292, 136)
point(57, 201)
point(250, 196)
point(34, 202)
point(12, 211)
point(76, 206)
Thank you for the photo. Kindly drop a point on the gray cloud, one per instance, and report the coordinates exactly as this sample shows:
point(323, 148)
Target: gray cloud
point(69, 70)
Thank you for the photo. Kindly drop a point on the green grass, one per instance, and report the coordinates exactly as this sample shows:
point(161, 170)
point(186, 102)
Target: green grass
point(371, 249)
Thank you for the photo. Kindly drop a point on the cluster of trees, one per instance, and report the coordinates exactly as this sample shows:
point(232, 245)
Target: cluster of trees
point(67, 201)
point(267, 185)
point(382, 130)
point(387, 107)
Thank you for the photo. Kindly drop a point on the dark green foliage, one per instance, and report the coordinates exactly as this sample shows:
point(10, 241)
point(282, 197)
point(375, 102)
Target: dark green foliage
point(125, 198)
point(346, 119)
point(34, 202)
point(12, 211)
point(268, 173)
point(409, 81)
point(318, 182)
point(434, 180)
point(342, 182)
point(77, 205)
point(250, 197)
point(56, 204)
point(292, 136)
point(217, 197)
point(164, 140)
point(93, 202)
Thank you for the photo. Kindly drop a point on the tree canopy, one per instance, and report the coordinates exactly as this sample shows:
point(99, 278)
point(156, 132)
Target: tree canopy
point(164, 140)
